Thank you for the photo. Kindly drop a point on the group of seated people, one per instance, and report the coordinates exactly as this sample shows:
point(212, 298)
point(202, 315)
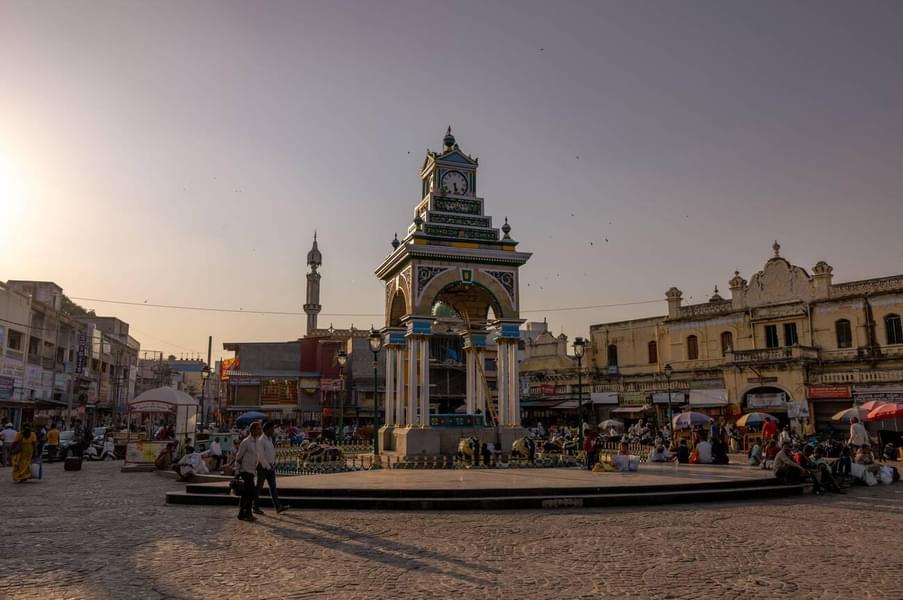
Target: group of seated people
point(812, 463)
point(704, 453)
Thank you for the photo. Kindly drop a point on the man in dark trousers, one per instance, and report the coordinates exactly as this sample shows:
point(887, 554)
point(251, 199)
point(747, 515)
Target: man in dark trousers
point(266, 469)
point(246, 464)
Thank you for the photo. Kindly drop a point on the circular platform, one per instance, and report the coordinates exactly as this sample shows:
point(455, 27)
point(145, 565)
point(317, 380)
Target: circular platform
point(462, 489)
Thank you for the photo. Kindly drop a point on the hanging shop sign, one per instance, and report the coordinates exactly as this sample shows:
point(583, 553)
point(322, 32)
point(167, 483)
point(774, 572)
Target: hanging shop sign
point(818, 392)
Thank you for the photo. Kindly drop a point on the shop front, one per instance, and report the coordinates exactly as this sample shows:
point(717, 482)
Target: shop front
point(660, 404)
point(603, 403)
point(632, 407)
point(772, 400)
point(825, 401)
point(712, 402)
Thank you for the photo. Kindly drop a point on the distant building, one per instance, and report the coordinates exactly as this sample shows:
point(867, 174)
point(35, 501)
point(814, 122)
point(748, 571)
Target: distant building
point(56, 359)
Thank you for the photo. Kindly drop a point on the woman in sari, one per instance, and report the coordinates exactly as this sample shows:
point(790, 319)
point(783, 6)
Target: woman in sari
point(23, 448)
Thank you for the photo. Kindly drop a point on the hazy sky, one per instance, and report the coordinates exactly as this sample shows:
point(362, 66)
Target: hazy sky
point(184, 152)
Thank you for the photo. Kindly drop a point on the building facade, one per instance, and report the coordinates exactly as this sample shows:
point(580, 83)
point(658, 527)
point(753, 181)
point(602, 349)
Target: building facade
point(57, 359)
point(787, 342)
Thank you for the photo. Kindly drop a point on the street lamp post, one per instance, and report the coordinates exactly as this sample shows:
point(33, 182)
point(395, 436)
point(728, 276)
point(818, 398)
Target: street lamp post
point(668, 371)
point(342, 359)
point(579, 349)
point(205, 373)
point(376, 344)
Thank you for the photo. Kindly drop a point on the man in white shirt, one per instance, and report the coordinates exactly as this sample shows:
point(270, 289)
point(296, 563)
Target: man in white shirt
point(859, 436)
point(246, 465)
point(8, 438)
point(216, 453)
point(704, 451)
point(266, 469)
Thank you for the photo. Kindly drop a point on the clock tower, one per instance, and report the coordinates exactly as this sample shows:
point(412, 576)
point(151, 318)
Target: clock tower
point(451, 254)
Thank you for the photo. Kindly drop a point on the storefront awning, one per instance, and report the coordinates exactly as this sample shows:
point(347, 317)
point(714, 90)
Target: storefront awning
point(566, 404)
point(540, 403)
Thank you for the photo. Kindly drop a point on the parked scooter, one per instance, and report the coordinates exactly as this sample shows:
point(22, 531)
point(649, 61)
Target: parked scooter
point(101, 449)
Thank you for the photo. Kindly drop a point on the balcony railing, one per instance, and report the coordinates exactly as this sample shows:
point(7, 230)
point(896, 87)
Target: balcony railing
point(772, 355)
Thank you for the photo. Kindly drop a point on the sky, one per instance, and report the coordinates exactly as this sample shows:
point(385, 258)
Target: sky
point(184, 153)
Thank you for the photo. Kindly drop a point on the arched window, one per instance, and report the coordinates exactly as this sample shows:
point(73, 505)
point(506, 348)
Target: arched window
point(727, 342)
point(893, 329)
point(844, 333)
point(692, 348)
point(612, 355)
point(653, 353)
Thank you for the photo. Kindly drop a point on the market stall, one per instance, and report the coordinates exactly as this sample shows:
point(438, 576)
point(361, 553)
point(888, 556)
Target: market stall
point(169, 405)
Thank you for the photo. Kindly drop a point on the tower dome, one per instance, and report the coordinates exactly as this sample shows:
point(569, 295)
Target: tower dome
point(314, 258)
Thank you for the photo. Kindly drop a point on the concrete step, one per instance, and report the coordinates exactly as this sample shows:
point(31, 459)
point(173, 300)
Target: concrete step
point(500, 502)
point(289, 491)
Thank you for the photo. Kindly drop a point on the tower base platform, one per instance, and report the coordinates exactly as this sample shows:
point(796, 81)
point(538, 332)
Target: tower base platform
point(494, 489)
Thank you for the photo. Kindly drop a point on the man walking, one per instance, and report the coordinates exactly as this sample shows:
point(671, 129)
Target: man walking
point(53, 442)
point(8, 436)
point(266, 469)
point(246, 464)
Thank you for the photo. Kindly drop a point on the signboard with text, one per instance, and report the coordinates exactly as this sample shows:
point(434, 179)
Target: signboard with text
point(829, 391)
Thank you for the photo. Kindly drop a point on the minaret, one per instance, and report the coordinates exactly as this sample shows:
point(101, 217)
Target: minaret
point(312, 303)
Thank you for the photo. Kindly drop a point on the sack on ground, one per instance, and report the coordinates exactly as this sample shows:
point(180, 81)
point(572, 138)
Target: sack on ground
point(857, 470)
point(886, 476)
point(869, 478)
point(694, 457)
point(37, 471)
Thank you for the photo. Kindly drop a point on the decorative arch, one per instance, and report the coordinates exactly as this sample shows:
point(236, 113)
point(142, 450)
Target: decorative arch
point(481, 293)
point(758, 386)
point(398, 307)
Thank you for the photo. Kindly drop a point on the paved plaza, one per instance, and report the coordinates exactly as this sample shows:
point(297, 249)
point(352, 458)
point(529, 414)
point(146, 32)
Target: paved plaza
point(99, 533)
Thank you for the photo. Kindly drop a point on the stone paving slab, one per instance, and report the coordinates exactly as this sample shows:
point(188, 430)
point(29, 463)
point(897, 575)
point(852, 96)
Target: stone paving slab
point(102, 534)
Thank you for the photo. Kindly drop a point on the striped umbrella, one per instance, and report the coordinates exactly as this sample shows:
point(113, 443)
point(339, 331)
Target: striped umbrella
point(872, 405)
point(846, 415)
point(884, 412)
point(754, 419)
point(690, 419)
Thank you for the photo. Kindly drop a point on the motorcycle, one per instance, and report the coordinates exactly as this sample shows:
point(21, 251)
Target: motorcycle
point(100, 449)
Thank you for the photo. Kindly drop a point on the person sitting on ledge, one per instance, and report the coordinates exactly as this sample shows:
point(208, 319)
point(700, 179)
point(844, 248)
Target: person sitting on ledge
point(786, 469)
point(771, 451)
point(865, 457)
point(661, 454)
point(683, 453)
point(704, 450)
point(719, 453)
point(624, 460)
point(755, 455)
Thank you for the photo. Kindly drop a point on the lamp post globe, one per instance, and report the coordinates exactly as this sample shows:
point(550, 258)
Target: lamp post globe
point(376, 343)
point(579, 350)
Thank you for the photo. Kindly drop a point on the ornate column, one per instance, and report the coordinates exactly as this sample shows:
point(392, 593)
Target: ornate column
point(424, 381)
point(394, 343)
point(418, 335)
point(400, 418)
point(508, 387)
point(389, 416)
point(474, 347)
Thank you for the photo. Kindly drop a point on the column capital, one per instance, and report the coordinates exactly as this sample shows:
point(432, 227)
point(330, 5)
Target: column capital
point(393, 337)
point(475, 338)
point(416, 325)
point(508, 329)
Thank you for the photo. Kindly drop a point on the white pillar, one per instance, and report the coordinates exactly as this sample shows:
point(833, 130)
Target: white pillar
point(471, 384)
point(479, 380)
point(502, 378)
point(389, 419)
point(425, 381)
point(513, 387)
point(399, 387)
point(412, 381)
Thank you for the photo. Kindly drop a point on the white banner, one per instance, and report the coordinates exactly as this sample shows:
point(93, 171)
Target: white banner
point(708, 397)
point(766, 400)
point(604, 398)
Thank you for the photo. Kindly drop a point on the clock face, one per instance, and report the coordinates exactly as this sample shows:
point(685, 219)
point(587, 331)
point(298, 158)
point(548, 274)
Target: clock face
point(454, 182)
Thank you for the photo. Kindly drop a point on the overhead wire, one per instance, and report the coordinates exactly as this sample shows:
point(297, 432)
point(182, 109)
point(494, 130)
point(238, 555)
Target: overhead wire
point(251, 311)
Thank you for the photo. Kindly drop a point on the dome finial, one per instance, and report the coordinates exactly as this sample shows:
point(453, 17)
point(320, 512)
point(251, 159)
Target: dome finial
point(777, 248)
point(449, 140)
point(395, 242)
point(314, 258)
point(506, 229)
